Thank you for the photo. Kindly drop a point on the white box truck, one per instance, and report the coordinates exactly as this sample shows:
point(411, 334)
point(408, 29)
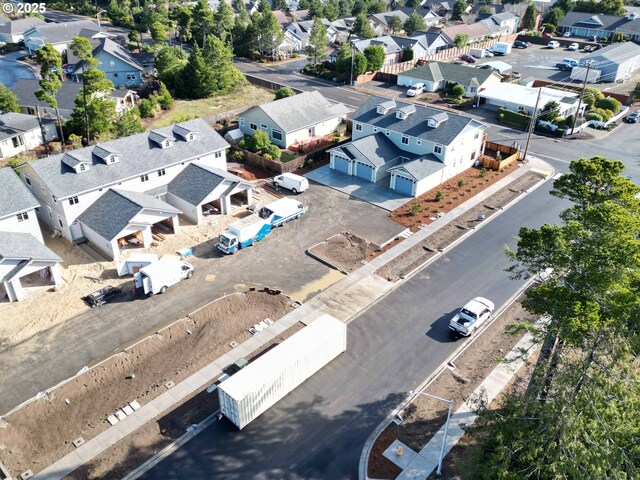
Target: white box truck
point(501, 48)
point(159, 276)
point(262, 383)
point(291, 181)
point(255, 227)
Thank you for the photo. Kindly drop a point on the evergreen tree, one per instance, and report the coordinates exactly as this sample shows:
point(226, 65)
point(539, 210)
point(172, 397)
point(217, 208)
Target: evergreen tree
point(375, 57)
point(8, 101)
point(529, 19)
point(50, 63)
point(129, 123)
point(158, 32)
point(331, 10)
point(359, 64)
point(267, 33)
point(554, 16)
point(198, 79)
point(279, 5)
point(316, 9)
point(395, 24)
point(550, 111)
point(165, 100)
point(362, 28)
point(317, 47)
point(459, 8)
point(203, 21)
point(184, 20)
point(461, 40)
point(413, 23)
point(170, 62)
point(218, 57)
point(224, 20)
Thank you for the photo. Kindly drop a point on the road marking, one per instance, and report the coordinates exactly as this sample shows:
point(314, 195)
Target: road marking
point(535, 154)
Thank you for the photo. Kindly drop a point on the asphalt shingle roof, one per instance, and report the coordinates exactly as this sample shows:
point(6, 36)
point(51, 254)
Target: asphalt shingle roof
point(21, 25)
point(197, 181)
point(23, 246)
point(608, 23)
point(113, 211)
point(376, 148)
point(616, 53)
point(414, 125)
point(65, 32)
point(420, 168)
point(138, 155)
point(117, 51)
point(12, 124)
point(24, 89)
point(451, 72)
point(302, 110)
point(15, 196)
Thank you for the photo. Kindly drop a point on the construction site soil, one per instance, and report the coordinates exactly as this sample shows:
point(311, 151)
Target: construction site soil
point(344, 251)
point(42, 431)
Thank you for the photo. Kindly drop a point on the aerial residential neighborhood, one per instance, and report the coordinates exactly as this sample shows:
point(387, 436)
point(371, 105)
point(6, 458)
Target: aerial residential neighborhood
point(319, 239)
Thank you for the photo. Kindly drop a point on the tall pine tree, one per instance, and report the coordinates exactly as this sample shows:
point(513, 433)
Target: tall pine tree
point(317, 47)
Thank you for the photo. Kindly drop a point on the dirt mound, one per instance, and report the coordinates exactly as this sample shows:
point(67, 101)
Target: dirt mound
point(344, 251)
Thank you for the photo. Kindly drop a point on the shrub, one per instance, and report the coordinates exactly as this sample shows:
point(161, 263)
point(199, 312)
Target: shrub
point(327, 75)
point(603, 112)
point(457, 90)
point(560, 132)
point(56, 147)
point(284, 92)
point(164, 98)
point(593, 116)
point(569, 120)
point(259, 141)
point(414, 210)
point(460, 183)
point(610, 104)
point(591, 96)
point(549, 27)
point(238, 156)
point(75, 140)
point(439, 196)
point(483, 172)
point(147, 109)
point(271, 151)
point(515, 119)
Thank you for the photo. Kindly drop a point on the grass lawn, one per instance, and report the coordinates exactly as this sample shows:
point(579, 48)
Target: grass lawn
point(287, 156)
point(244, 96)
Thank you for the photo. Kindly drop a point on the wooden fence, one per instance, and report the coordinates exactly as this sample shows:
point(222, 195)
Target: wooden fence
point(272, 165)
point(490, 162)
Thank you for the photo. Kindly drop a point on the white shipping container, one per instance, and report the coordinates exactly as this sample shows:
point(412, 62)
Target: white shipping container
point(262, 383)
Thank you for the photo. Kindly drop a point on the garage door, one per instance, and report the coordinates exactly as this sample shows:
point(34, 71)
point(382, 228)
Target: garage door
point(341, 165)
point(364, 171)
point(404, 186)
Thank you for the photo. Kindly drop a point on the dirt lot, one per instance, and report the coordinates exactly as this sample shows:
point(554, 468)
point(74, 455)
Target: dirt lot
point(345, 251)
point(42, 431)
point(421, 252)
point(425, 416)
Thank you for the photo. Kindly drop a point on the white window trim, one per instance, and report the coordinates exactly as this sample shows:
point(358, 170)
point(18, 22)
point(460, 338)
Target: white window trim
point(438, 147)
point(405, 140)
point(358, 127)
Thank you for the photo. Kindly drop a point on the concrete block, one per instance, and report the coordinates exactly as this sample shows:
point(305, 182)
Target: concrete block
point(26, 475)
point(112, 419)
point(127, 410)
point(211, 371)
point(121, 415)
point(78, 441)
point(135, 405)
point(162, 402)
point(419, 468)
point(146, 413)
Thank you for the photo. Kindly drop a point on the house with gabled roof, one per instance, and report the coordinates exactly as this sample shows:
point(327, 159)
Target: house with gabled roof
point(437, 75)
point(60, 35)
point(136, 173)
point(411, 148)
point(17, 206)
point(12, 31)
point(395, 46)
point(117, 63)
point(21, 133)
point(580, 24)
point(295, 119)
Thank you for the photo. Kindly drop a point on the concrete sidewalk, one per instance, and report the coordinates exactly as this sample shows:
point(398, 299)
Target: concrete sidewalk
point(342, 300)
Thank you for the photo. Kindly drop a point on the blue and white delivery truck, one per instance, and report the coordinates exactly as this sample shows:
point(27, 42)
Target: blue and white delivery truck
point(255, 227)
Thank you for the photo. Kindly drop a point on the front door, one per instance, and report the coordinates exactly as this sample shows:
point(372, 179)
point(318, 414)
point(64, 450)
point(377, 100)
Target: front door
point(312, 132)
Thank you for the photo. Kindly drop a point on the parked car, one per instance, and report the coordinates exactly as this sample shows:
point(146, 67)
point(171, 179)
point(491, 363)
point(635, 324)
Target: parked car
point(470, 317)
point(566, 34)
point(467, 58)
point(573, 47)
point(553, 44)
point(415, 90)
point(488, 53)
point(291, 181)
point(102, 296)
point(589, 48)
point(520, 44)
point(633, 118)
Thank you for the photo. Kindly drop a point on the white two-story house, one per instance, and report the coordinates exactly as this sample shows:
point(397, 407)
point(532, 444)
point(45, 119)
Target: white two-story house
point(115, 194)
point(407, 146)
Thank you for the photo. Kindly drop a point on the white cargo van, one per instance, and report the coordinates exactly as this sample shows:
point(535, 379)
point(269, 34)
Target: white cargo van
point(159, 276)
point(291, 181)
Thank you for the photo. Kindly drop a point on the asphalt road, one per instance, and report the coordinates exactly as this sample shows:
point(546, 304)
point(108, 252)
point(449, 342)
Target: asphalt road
point(279, 262)
point(318, 431)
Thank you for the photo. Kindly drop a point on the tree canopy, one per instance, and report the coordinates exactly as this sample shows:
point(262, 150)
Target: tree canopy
point(8, 101)
point(413, 23)
point(317, 48)
point(362, 28)
point(529, 18)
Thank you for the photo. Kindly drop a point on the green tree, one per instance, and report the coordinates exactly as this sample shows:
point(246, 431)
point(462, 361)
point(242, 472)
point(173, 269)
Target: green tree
point(272, 151)
point(267, 33)
point(591, 96)
point(457, 91)
point(413, 23)
point(259, 141)
point(459, 8)
point(461, 40)
point(343, 60)
point(165, 100)
point(198, 78)
point(375, 57)
point(529, 18)
point(414, 3)
point(134, 36)
point(147, 109)
point(317, 48)
point(331, 10)
point(119, 13)
point(129, 123)
point(395, 24)
point(284, 92)
point(203, 21)
point(362, 27)
point(610, 104)
point(8, 101)
point(279, 5)
point(218, 58)
point(407, 54)
point(170, 62)
point(550, 111)
point(183, 18)
point(50, 63)
point(223, 20)
point(158, 32)
point(606, 7)
point(636, 91)
point(554, 16)
point(359, 64)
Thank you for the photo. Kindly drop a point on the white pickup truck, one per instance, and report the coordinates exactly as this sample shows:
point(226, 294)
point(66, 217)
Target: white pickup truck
point(471, 316)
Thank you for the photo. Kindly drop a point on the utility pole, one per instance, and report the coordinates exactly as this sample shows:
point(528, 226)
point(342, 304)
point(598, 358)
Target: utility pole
point(584, 86)
point(352, 55)
point(532, 125)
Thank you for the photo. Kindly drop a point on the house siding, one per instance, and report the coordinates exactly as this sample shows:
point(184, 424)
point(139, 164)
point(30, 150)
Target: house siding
point(31, 140)
point(11, 223)
point(118, 71)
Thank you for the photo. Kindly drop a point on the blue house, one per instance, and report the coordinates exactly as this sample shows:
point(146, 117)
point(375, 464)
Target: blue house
point(116, 62)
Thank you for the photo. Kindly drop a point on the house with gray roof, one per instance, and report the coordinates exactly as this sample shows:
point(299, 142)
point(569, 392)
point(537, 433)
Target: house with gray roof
point(26, 264)
point(21, 133)
point(60, 35)
point(12, 31)
point(117, 63)
point(17, 205)
point(614, 62)
point(437, 75)
point(294, 120)
point(139, 168)
point(580, 24)
point(409, 147)
point(200, 190)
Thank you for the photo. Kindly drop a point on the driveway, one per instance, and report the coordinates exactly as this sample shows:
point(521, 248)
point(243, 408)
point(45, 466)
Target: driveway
point(11, 70)
point(279, 262)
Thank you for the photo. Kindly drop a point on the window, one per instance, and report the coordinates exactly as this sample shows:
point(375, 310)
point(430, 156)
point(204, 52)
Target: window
point(112, 63)
point(22, 217)
point(253, 126)
point(18, 141)
point(82, 167)
point(217, 155)
point(437, 149)
point(405, 140)
point(190, 136)
point(50, 216)
point(28, 181)
point(476, 136)
point(161, 172)
point(144, 178)
point(241, 122)
point(131, 76)
point(263, 126)
point(276, 134)
point(358, 127)
point(115, 75)
point(73, 200)
point(60, 222)
point(53, 197)
point(100, 63)
point(419, 141)
point(44, 192)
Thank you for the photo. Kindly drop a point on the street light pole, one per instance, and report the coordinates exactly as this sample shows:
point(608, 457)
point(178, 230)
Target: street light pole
point(446, 426)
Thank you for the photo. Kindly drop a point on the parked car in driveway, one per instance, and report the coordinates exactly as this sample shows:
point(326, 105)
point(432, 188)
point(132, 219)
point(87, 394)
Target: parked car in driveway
point(467, 58)
point(520, 44)
point(566, 34)
point(633, 118)
point(102, 296)
point(573, 47)
point(553, 44)
point(416, 89)
point(470, 317)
